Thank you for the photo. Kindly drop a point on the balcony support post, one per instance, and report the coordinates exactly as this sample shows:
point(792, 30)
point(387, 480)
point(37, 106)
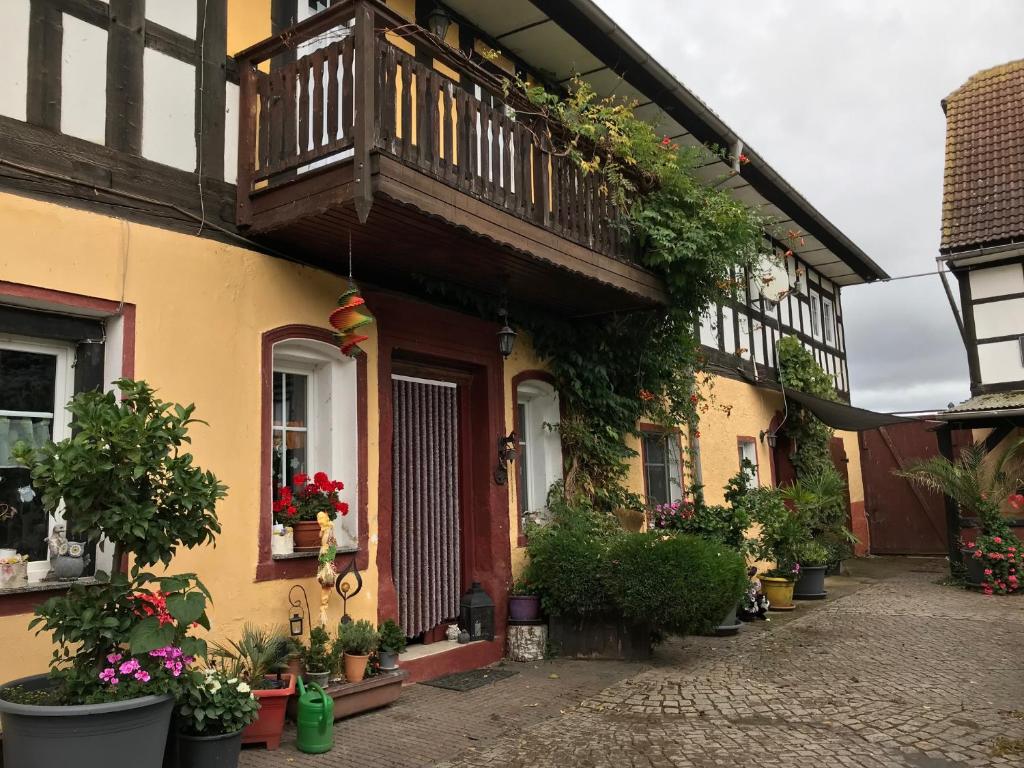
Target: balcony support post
point(365, 112)
point(246, 140)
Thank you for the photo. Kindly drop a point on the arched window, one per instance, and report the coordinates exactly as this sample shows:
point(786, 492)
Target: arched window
point(540, 446)
point(314, 423)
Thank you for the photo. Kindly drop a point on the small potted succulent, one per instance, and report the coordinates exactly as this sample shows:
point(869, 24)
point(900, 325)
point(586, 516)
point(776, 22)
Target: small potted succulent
point(317, 658)
point(523, 602)
point(212, 711)
point(260, 658)
point(298, 505)
point(358, 639)
point(392, 643)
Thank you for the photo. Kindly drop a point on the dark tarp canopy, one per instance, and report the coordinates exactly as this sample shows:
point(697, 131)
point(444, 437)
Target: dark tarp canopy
point(842, 416)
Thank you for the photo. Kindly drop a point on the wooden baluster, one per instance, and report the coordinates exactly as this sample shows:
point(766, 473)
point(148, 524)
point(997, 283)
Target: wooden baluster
point(389, 129)
point(526, 158)
point(447, 116)
point(333, 95)
point(506, 157)
point(348, 95)
point(588, 183)
point(365, 112)
point(465, 177)
point(557, 202)
point(290, 114)
point(277, 117)
point(263, 133)
point(249, 76)
point(406, 63)
point(422, 117)
point(541, 187)
point(318, 125)
point(472, 120)
point(302, 69)
point(436, 126)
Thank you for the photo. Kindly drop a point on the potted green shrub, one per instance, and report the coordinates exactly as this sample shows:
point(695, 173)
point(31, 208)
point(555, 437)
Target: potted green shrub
point(212, 710)
point(260, 658)
point(783, 533)
point(317, 657)
point(358, 639)
point(123, 642)
point(814, 559)
point(392, 643)
point(523, 601)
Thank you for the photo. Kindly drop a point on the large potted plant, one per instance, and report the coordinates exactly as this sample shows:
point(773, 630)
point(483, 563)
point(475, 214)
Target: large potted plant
point(212, 710)
point(299, 504)
point(260, 658)
point(123, 642)
point(358, 639)
point(783, 534)
point(392, 643)
point(523, 602)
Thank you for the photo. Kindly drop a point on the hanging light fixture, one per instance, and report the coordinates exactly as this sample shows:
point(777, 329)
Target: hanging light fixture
point(506, 336)
point(438, 21)
point(296, 624)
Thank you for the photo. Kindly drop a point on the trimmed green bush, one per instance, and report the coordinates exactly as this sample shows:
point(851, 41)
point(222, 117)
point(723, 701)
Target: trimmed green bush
point(682, 584)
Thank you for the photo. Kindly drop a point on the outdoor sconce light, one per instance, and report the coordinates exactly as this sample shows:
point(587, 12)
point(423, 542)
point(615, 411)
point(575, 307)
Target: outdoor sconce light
point(297, 621)
point(772, 438)
point(506, 336)
point(506, 453)
point(348, 591)
point(476, 613)
point(438, 22)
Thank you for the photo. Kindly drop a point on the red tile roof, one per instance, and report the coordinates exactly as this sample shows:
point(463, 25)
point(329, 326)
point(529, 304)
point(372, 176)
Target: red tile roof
point(983, 195)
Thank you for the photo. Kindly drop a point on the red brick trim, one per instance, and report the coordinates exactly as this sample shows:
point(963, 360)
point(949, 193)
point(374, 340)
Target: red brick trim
point(43, 299)
point(266, 567)
point(533, 374)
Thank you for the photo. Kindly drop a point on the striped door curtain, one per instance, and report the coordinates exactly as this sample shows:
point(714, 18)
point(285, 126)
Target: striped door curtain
point(425, 478)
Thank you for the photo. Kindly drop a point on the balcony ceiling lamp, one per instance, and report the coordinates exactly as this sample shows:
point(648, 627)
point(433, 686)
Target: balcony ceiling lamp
point(438, 22)
point(506, 336)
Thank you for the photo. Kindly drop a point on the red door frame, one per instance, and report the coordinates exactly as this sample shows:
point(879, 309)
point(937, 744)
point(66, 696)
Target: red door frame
point(443, 339)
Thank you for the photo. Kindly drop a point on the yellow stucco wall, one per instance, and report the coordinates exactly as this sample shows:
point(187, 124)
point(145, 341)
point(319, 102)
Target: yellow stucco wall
point(201, 310)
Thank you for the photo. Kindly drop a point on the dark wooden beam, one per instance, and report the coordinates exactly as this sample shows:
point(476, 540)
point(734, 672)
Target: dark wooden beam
point(365, 41)
point(211, 82)
point(125, 45)
point(45, 44)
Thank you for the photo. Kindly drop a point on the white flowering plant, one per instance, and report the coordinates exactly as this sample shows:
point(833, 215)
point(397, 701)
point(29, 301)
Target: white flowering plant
point(211, 703)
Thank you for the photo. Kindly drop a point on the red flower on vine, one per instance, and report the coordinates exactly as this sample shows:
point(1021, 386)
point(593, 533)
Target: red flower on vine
point(744, 159)
point(646, 395)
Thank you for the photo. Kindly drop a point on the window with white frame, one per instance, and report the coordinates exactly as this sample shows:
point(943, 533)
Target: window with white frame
point(815, 315)
point(663, 467)
point(539, 444)
point(748, 453)
point(36, 381)
point(829, 311)
point(314, 424)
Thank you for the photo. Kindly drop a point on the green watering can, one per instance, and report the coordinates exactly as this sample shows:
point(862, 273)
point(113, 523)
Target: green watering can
point(315, 720)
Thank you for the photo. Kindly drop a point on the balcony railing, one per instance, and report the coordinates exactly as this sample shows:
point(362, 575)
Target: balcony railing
point(334, 89)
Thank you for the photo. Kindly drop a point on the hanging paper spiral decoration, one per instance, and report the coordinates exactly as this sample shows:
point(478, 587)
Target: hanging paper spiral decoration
point(350, 316)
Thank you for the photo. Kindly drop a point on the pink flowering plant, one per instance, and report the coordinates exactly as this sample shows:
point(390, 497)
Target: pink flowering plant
point(125, 477)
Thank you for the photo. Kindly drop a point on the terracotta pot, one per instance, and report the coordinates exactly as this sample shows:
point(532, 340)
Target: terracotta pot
point(270, 722)
point(355, 667)
point(307, 535)
point(779, 592)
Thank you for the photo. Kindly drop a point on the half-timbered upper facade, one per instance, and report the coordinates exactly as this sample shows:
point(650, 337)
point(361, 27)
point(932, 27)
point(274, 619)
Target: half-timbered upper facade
point(983, 222)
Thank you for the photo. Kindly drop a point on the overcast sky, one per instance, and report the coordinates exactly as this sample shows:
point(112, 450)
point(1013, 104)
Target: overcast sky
point(842, 98)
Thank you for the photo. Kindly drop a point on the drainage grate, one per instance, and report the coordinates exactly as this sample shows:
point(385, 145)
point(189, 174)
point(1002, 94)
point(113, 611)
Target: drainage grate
point(467, 681)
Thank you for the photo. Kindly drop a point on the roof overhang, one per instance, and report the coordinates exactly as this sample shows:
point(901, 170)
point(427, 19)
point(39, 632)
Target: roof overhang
point(575, 37)
point(972, 257)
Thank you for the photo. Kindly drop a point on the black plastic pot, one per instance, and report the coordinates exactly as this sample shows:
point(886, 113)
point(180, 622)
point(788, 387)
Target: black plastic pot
point(219, 751)
point(730, 624)
point(811, 584)
point(974, 568)
point(85, 735)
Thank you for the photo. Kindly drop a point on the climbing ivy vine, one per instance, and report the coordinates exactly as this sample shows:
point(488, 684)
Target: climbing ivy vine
point(799, 370)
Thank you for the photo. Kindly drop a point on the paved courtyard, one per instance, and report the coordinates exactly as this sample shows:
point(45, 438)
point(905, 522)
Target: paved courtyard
point(895, 671)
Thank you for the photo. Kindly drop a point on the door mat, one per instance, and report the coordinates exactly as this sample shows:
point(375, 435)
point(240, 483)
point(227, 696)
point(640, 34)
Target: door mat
point(467, 681)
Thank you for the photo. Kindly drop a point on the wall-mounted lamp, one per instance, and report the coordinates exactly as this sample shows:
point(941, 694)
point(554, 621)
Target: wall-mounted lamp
point(506, 336)
point(438, 22)
point(772, 438)
point(297, 621)
point(506, 453)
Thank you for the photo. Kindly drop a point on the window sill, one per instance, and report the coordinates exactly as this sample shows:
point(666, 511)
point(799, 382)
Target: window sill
point(305, 555)
point(21, 600)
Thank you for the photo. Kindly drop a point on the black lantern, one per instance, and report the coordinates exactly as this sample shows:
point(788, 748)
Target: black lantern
point(772, 438)
point(476, 613)
point(438, 21)
point(297, 621)
point(506, 336)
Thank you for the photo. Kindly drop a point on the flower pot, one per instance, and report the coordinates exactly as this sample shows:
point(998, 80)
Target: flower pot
point(811, 584)
point(84, 735)
point(270, 721)
point(730, 624)
point(13, 574)
point(282, 540)
point(779, 592)
point(220, 751)
point(306, 535)
point(524, 607)
point(355, 667)
point(974, 568)
point(354, 698)
point(388, 660)
point(319, 678)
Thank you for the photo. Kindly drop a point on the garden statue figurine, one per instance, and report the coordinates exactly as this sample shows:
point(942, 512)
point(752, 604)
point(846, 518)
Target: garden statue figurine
point(56, 544)
point(327, 572)
point(755, 602)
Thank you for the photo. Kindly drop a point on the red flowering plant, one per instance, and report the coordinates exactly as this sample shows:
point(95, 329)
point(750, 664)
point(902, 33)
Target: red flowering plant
point(999, 553)
point(313, 496)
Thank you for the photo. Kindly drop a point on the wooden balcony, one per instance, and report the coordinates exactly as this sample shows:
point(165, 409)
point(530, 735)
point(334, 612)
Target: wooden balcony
point(343, 133)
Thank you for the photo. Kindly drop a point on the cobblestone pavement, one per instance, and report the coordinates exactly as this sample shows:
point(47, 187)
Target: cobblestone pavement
point(898, 672)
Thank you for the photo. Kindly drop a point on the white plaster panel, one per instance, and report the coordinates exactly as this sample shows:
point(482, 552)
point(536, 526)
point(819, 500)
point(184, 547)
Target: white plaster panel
point(168, 111)
point(997, 281)
point(231, 134)
point(14, 58)
point(83, 81)
point(709, 327)
point(999, 318)
point(1000, 362)
point(179, 15)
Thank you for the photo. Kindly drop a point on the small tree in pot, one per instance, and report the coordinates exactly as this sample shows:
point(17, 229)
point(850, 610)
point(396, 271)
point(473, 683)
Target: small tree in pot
point(123, 642)
point(358, 639)
point(392, 643)
point(317, 657)
point(783, 533)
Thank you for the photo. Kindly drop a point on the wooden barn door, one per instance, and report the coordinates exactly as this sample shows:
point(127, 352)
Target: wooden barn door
point(426, 525)
point(904, 519)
